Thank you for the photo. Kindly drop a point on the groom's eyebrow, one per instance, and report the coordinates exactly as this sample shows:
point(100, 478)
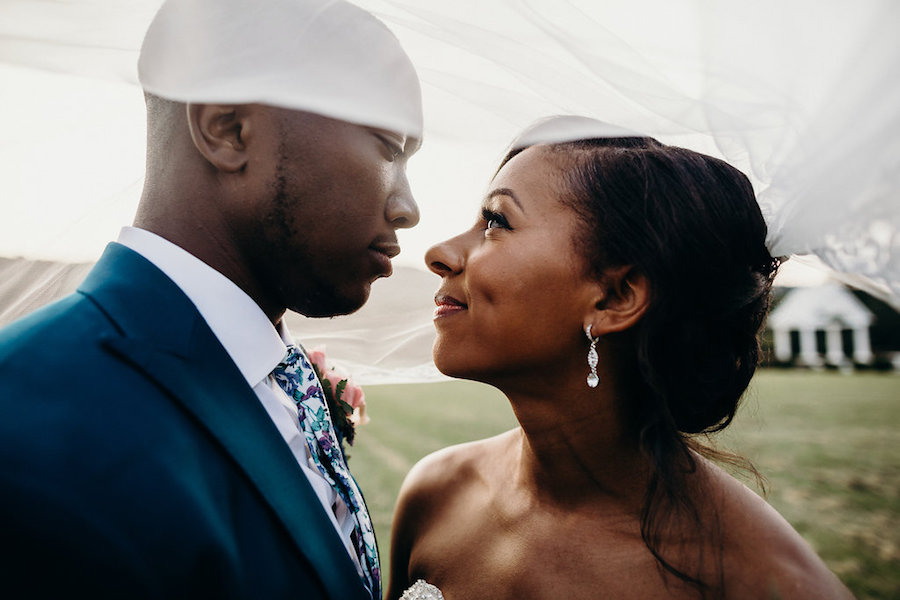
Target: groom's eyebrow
point(504, 192)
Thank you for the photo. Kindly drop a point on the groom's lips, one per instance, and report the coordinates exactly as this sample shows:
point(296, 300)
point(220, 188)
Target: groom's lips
point(389, 249)
point(447, 305)
point(382, 253)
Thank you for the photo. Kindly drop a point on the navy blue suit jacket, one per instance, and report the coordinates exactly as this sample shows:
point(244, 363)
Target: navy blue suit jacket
point(136, 462)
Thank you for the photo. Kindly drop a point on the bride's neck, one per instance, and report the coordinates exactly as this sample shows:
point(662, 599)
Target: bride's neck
point(575, 446)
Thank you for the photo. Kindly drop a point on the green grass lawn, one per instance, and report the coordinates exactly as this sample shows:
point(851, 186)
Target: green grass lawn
point(828, 445)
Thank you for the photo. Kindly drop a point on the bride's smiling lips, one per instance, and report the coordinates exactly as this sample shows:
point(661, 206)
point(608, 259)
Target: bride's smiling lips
point(447, 305)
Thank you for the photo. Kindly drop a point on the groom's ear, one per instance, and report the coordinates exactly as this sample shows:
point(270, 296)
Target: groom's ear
point(219, 133)
point(622, 300)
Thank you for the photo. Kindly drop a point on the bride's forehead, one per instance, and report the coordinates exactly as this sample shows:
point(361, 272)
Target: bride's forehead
point(533, 171)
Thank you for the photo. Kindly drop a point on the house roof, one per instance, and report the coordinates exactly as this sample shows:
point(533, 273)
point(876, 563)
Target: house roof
point(819, 307)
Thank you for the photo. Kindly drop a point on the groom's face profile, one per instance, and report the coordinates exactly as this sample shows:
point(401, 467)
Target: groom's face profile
point(330, 200)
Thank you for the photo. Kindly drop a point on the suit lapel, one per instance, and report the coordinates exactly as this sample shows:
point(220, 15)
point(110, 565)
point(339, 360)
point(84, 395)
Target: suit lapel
point(164, 336)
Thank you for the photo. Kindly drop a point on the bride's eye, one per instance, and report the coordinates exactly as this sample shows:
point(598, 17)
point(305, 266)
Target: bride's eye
point(494, 220)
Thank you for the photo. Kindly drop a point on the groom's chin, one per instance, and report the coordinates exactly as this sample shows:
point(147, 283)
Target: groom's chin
point(334, 302)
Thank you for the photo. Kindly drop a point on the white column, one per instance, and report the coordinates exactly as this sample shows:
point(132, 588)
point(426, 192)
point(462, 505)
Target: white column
point(862, 346)
point(808, 352)
point(834, 348)
point(782, 344)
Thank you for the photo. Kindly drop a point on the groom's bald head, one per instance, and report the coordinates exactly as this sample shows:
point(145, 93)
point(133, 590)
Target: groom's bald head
point(323, 56)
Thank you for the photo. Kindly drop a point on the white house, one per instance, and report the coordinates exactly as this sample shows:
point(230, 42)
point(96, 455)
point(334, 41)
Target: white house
point(829, 308)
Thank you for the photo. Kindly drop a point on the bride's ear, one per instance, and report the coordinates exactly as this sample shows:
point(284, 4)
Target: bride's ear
point(622, 299)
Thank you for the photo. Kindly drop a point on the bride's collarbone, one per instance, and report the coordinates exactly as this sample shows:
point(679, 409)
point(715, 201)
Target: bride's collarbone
point(502, 568)
point(522, 533)
point(515, 506)
point(521, 550)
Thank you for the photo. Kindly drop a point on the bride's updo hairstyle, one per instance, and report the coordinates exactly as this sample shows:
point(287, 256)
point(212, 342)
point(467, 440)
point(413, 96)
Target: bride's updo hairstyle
point(691, 225)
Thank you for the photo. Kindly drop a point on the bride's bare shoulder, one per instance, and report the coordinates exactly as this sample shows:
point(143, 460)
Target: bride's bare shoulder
point(443, 482)
point(763, 556)
point(456, 465)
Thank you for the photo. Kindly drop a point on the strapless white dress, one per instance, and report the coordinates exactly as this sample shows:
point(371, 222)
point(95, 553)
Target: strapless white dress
point(421, 590)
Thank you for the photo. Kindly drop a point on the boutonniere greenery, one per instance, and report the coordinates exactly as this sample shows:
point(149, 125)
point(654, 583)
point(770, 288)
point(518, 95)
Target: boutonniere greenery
point(346, 400)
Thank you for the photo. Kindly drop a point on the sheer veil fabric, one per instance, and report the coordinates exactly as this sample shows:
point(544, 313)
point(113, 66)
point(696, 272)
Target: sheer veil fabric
point(802, 96)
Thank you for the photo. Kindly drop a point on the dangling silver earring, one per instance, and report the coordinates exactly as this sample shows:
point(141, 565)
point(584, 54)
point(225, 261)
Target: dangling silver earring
point(593, 379)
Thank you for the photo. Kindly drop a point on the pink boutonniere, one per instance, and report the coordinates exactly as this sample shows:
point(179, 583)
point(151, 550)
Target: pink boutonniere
point(346, 400)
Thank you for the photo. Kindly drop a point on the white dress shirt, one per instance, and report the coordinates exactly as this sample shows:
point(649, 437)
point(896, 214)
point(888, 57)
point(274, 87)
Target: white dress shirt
point(255, 346)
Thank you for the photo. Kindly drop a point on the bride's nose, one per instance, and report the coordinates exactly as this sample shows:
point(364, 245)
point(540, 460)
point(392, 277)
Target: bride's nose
point(447, 257)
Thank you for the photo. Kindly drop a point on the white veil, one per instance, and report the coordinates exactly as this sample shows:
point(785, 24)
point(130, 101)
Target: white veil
point(802, 96)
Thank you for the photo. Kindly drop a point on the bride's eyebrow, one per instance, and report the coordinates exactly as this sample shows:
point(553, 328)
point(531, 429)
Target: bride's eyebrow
point(504, 192)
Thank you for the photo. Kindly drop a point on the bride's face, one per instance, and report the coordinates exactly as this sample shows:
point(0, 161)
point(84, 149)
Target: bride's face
point(515, 294)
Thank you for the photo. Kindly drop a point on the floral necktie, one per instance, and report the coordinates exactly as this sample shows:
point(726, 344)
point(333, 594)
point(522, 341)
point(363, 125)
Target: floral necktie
point(297, 378)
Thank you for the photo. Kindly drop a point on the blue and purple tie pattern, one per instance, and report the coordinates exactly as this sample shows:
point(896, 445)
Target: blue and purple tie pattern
point(297, 378)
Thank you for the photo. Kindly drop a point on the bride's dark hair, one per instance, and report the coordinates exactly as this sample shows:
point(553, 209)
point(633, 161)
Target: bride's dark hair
point(691, 225)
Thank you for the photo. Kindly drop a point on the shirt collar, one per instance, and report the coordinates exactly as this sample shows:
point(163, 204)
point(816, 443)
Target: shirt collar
point(253, 343)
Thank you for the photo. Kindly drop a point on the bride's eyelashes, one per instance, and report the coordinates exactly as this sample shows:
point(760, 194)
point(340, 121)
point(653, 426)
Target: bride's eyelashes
point(494, 220)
